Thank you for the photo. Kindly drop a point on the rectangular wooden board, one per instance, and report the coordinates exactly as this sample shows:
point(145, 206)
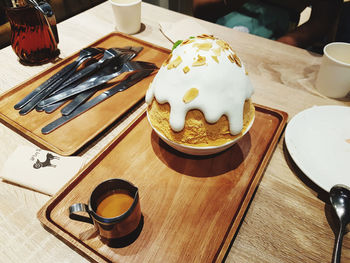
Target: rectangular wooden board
point(192, 206)
point(69, 138)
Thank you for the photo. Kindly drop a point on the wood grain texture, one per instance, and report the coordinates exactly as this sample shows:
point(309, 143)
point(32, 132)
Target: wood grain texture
point(289, 218)
point(191, 205)
point(85, 127)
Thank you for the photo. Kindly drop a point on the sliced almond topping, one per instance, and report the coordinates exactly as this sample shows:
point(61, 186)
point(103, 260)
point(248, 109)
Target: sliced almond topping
point(175, 63)
point(166, 62)
point(222, 44)
point(217, 51)
point(187, 41)
point(231, 58)
point(206, 46)
point(200, 61)
point(206, 36)
point(186, 69)
point(190, 95)
point(237, 60)
point(215, 58)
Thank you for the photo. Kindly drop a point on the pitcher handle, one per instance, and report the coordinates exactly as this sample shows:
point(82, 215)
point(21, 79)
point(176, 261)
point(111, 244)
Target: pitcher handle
point(79, 207)
point(49, 16)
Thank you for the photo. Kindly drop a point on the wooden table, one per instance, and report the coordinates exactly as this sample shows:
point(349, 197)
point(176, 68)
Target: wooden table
point(289, 218)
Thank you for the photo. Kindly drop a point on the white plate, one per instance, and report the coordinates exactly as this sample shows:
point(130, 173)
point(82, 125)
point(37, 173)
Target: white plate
point(318, 140)
point(205, 150)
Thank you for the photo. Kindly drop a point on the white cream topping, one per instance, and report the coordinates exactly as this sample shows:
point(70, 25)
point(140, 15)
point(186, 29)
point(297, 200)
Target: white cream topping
point(222, 86)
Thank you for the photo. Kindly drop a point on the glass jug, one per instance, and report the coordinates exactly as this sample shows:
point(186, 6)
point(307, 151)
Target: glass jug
point(34, 35)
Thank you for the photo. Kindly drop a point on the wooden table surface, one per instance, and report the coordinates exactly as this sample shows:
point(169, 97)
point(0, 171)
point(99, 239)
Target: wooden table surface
point(289, 218)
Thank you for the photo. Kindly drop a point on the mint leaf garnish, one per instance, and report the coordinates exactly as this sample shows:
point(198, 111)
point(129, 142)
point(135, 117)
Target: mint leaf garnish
point(176, 44)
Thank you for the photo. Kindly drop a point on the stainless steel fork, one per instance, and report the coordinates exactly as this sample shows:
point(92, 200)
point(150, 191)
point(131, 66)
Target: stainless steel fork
point(103, 76)
point(58, 78)
point(124, 53)
point(84, 96)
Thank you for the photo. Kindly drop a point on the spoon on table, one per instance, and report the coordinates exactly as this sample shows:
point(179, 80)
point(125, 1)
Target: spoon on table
point(340, 200)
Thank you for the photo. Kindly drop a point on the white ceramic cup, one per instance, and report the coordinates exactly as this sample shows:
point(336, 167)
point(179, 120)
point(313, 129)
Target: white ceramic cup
point(127, 15)
point(333, 79)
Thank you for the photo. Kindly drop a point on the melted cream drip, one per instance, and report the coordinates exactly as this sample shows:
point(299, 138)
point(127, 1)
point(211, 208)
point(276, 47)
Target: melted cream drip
point(223, 87)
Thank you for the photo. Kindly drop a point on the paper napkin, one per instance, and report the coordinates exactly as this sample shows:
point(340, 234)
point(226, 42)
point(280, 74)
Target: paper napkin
point(40, 170)
point(183, 29)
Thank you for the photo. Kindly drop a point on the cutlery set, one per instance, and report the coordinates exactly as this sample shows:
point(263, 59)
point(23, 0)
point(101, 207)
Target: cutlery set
point(55, 81)
point(81, 79)
point(125, 84)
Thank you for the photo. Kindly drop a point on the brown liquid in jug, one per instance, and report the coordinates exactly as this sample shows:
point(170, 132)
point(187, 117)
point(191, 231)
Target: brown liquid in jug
point(31, 37)
point(114, 205)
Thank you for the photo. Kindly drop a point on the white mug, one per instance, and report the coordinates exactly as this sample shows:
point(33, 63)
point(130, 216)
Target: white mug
point(333, 79)
point(127, 15)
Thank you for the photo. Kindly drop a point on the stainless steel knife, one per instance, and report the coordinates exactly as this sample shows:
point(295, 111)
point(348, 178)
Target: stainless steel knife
point(130, 81)
point(62, 75)
point(84, 96)
point(103, 76)
point(108, 55)
point(128, 51)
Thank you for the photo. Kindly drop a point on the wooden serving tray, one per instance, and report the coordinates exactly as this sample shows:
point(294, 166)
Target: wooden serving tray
point(69, 138)
point(192, 206)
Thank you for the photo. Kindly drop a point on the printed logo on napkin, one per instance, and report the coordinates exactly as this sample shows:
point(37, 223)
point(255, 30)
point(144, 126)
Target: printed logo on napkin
point(40, 170)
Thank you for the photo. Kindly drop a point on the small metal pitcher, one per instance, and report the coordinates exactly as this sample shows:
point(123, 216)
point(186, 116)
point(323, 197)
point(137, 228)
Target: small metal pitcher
point(111, 230)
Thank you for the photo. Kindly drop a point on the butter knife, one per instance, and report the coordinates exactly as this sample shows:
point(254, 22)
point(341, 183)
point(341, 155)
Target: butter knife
point(102, 77)
point(84, 96)
point(108, 55)
point(130, 81)
point(62, 75)
point(127, 50)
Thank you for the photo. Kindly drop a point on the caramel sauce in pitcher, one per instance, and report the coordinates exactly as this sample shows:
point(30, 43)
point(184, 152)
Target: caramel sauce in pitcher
point(115, 204)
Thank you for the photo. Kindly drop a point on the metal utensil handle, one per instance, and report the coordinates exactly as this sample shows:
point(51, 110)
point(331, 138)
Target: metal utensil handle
point(56, 78)
point(338, 244)
point(79, 207)
point(85, 95)
point(96, 80)
point(77, 101)
point(54, 106)
point(89, 70)
point(87, 85)
point(130, 81)
point(40, 106)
